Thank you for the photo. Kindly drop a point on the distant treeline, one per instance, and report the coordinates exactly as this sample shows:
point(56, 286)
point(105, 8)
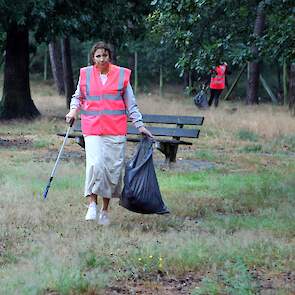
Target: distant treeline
point(163, 41)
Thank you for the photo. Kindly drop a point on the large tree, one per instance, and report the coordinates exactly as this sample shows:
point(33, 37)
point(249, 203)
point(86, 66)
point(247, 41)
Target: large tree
point(55, 55)
point(208, 32)
point(279, 41)
point(254, 66)
point(16, 101)
point(67, 69)
point(17, 19)
point(292, 89)
point(47, 20)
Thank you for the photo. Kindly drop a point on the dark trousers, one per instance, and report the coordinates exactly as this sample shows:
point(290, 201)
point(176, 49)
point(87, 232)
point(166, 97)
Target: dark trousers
point(214, 95)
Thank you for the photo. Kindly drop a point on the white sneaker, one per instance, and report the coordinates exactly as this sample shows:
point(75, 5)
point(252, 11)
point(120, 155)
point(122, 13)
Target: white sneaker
point(91, 212)
point(103, 218)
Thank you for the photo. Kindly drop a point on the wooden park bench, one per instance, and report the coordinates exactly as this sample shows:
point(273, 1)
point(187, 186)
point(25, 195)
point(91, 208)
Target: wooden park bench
point(167, 138)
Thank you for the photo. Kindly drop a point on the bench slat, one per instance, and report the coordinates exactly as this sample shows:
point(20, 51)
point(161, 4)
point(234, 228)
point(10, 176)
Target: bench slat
point(132, 139)
point(161, 131)
point(172, 141)
point(169, 119)
point(164, 119)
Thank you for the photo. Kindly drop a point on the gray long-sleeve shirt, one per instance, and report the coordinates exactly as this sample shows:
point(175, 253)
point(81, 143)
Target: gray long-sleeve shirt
point(129, 100)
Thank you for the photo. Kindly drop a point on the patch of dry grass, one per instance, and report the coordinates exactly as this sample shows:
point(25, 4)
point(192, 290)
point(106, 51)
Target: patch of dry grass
point(265, 120)
point(234, 218)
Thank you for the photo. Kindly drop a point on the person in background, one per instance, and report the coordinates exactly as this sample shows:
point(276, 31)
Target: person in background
point(104, 98)
point(217, 82)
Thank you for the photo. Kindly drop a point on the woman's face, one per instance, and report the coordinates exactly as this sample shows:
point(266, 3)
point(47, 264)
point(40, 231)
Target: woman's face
point(101, 58)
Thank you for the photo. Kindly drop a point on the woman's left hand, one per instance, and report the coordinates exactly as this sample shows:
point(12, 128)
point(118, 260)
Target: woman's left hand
point(144, 131)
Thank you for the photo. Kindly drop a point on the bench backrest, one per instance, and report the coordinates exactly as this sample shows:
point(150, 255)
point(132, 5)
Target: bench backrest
point(168, 119)
point(176, 133)
point(163, 131)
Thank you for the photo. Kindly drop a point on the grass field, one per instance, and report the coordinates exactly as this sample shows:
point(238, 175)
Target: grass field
point(231, 229)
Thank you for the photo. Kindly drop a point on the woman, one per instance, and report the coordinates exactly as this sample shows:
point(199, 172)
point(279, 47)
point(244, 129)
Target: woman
point(104, 97)
point(217, 82)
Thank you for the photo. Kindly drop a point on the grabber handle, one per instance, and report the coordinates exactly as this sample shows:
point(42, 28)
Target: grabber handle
point(57, 159)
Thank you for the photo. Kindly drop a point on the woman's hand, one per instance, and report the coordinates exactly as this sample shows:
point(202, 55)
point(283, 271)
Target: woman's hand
point(144, 131)
point(71, 115)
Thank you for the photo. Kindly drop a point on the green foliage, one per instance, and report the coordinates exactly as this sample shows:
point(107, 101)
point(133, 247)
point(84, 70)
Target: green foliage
point(244, 134)
point(279, 40)
point(285, 142)
point(207, 155)
point(90, 260)
point(200, 31)
point(41, 143)
point(234, 279)
point(7, 257)
point(207, 286)
point(69, 280)
point(254, 148)
point(144, 263)
point(208, 32)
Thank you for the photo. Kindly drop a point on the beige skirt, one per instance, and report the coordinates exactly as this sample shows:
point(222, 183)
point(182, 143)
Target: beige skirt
point(105, 159)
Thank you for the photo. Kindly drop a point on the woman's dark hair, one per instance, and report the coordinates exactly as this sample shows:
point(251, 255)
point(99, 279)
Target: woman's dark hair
point(99, 45)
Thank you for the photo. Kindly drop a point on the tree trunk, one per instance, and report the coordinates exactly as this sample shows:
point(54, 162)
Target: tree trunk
point(292, 89)
point(45, 64)
point(56, 66)
point(161, 82)
point(135, 72)
point(2, 57)
point(285, 82)
point(254, 71)
point(279, 77)
point(16, 101)
point(186, 79)
point(67, 69)
point(190, 79)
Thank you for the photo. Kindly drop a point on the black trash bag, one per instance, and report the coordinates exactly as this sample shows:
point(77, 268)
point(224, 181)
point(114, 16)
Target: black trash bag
point(141, 191)
point(200, 100)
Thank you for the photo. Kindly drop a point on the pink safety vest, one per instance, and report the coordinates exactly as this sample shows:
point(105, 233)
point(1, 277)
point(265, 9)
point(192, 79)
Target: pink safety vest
point(103, 111)
point(218, 82)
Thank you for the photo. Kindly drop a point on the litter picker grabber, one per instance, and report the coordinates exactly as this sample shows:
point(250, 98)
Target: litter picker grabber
point(57, 160)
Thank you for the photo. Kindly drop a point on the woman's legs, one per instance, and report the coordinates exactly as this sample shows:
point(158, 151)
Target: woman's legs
point(217, 95)
point(103, 217)
point(105, 158)
point(92, 198)
point(214, 96)
point(211, 96)
point(91, 211)
point(105, 204)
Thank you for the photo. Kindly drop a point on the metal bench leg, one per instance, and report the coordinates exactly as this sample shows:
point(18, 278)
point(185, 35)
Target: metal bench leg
point(173, 152)
point(169, 150)
point(80, 141)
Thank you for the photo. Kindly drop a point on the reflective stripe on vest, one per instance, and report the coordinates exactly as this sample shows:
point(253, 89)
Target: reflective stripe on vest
point(105, 96)
point(103, 111)
point(218, 82)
